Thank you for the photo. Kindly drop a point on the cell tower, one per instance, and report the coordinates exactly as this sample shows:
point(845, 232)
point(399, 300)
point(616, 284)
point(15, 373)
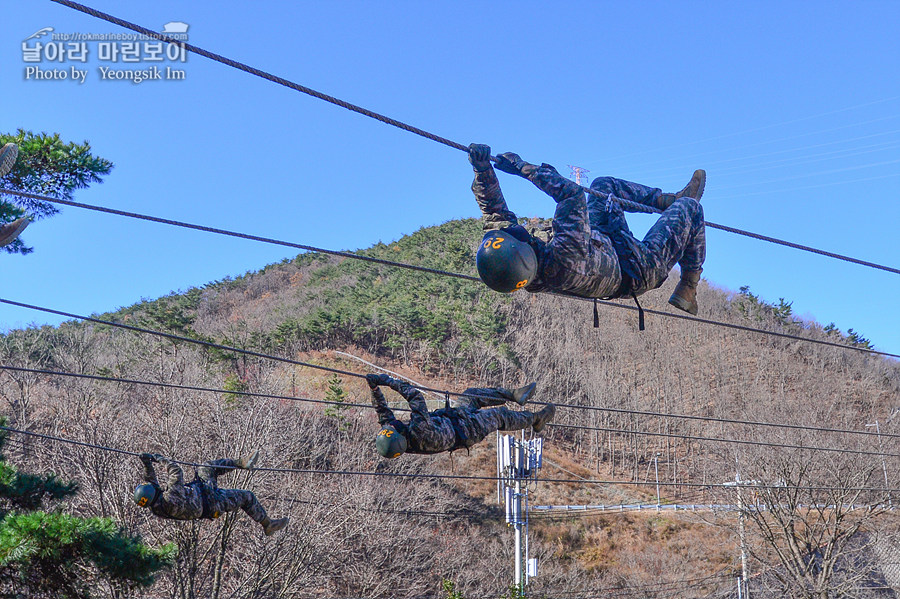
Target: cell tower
point(518, 462)
point(579, 175)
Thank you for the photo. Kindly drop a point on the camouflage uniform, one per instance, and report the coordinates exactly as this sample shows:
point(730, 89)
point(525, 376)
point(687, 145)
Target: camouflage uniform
point(452, 428)
point(201, 498)
point(589, 250)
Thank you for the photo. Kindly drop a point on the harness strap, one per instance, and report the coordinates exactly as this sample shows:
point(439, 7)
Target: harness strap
point(204, 489)
point(640, 312)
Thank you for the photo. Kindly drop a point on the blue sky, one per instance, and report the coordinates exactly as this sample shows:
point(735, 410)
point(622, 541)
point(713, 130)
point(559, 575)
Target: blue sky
point(793, 109)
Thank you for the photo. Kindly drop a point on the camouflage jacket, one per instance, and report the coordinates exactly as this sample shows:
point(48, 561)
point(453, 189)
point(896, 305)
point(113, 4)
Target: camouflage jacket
point(445, 429)
point(178, 501)
point(572, 258)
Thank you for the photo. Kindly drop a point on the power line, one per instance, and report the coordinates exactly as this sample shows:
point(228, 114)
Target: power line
point(436, 271)
point(408, 475)
point(406, 127)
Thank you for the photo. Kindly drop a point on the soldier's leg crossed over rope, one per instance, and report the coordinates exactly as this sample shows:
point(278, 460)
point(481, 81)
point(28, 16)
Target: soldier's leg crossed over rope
point(678, 236)
point(487, 421)
point(229, 500)
point(210, 471)
point(633, 192)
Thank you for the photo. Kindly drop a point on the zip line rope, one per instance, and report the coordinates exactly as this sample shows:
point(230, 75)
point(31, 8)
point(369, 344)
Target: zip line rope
point(408, 475)
point(431, 270)
point(633, 206)
point(721, 440)
point(185, 225)
point(369, 406)
point(107, 379)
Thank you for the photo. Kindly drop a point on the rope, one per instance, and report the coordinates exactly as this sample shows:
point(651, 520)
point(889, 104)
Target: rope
point(281, 359)
point(719, 440)
point(177, 223)
point(107, 379)
point(450, 476)
point(632, 206)
point(431, 270)
point(572, 426)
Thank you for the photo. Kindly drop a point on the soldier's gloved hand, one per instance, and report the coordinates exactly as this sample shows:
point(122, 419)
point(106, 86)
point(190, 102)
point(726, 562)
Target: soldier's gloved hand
point(480, 157)
point(147, 458)
point(158, 457)
point(376, 380)
point(512, 163)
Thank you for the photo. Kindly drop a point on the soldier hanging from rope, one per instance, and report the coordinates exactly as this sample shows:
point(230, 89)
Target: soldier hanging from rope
point(462, 424)
point(10, 231)
point(201, 498)
point(589, 251)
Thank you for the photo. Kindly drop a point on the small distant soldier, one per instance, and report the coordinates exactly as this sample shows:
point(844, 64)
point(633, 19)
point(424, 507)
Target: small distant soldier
point(462, 425)
point(590, 251)
point(201, 498)
point(10, 231)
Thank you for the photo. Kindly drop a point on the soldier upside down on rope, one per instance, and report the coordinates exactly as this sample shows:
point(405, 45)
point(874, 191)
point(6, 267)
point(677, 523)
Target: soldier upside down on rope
point(590, 251)
point(462, 425)
point(201, 498)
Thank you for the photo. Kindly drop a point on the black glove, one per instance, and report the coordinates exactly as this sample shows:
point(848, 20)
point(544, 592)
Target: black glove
point(147, 458)
point(512, 163)
point(480, 157)
point(376, 380)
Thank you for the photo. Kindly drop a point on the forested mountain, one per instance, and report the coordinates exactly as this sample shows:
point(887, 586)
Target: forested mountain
point(826, 530)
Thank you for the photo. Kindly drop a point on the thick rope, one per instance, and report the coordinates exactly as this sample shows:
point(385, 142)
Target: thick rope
point(631, 206)
point(724, 440)
point(177, 223)
point(127, 381)
point(439, 476)
point(428, 270)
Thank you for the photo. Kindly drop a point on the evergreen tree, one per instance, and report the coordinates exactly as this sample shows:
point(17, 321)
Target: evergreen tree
point(337, 394)
point(46, 166)
point(54, 554)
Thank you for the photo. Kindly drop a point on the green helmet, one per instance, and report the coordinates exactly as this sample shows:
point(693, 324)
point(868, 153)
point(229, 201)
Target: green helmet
point(145, 495)
point(390, 443)
point(505, 263)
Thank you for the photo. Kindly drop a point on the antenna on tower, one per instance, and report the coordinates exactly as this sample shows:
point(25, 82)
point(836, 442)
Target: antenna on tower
point(579, 175)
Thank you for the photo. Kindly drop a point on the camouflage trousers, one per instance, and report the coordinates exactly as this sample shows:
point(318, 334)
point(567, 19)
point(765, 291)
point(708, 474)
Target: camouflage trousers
point(678, 236)
point(477, 423)
point(228, 500)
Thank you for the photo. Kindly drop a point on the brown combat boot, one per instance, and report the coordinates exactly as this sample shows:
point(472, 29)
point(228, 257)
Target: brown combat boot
point(8, 154)
point(543, 417)
point(248, 462)
point(523, 394)
point(694, 189)
point(685, 295)
point(10, 231)
point(270, 527)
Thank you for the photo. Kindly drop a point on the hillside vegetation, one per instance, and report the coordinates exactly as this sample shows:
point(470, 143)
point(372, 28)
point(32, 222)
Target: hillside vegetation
point(375, 536)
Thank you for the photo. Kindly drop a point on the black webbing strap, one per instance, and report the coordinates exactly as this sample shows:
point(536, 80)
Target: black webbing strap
point(640, 312)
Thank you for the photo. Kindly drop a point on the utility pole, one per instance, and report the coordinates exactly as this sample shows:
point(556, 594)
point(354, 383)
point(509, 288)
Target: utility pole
point(656, 466)
point(517, 463)
point(883, 464)
point(738, 483)
point(579, 175)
